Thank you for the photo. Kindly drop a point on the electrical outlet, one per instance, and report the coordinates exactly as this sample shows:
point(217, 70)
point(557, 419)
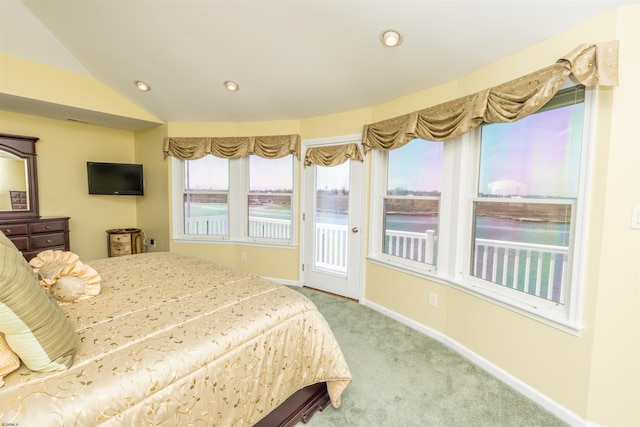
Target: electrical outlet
point(433, 299)
point(152, 242)
point(243, 256)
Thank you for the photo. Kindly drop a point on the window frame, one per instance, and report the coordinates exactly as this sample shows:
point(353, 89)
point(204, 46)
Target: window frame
point(460, 173)
point(238, 201)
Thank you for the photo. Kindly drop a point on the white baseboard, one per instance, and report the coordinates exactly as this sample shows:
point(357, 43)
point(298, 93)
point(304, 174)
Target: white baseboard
point(543, 400)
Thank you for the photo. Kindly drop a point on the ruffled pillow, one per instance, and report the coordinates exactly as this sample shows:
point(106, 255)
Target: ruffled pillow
point(66, 277)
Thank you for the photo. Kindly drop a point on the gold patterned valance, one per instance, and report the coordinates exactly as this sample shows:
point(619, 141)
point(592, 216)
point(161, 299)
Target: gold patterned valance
point(591, 65)
point(332, 155)
point(269, 147)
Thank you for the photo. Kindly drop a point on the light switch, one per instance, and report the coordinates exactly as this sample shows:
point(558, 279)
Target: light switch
point(635, 217)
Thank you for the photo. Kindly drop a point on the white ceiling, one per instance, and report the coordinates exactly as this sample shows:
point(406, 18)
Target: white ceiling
point(292, 59)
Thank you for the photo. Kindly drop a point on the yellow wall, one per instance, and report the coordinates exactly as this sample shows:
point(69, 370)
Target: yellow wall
point(63, 151)
point(614, 391)
point(153, 210)
point(595, 375)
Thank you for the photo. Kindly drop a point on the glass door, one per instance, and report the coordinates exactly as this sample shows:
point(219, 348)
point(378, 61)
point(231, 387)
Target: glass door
point(333, 236)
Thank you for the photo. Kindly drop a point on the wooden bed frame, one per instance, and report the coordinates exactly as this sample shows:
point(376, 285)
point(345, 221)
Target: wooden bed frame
point(299, 407)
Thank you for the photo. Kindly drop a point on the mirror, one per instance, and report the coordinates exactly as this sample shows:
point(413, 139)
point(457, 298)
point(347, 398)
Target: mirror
point(18, 177)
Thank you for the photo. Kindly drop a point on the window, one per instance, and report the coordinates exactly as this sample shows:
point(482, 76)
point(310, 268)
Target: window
point(248, 199)
point(270, 195)
point(526, 195)
point(506, 206)
point(411, 202)
point(206, 196)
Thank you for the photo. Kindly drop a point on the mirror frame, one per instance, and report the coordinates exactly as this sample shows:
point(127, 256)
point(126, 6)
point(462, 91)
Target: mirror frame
point(25, 148)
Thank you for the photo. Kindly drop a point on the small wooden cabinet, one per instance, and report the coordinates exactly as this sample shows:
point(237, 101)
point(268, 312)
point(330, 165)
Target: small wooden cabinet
point(124, 241)
point(34, 235)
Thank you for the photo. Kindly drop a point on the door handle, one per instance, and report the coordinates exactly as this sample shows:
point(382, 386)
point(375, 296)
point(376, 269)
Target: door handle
point(355, 229)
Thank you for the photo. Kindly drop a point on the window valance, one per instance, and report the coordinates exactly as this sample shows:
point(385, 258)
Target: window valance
point(591, 65)
point(332, 155)
point(269, 147)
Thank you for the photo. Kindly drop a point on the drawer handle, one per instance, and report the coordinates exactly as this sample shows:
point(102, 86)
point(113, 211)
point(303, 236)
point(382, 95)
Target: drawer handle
point(48, 227)
point(7, 231)
point(49, 241)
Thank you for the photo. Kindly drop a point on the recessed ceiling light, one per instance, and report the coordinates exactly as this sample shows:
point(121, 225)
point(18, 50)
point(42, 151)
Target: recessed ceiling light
point(142, 86)
point(391, 38)
point(232, 86)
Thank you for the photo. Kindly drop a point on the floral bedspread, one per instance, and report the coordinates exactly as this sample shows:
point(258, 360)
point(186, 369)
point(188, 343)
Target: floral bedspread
point(174, 340)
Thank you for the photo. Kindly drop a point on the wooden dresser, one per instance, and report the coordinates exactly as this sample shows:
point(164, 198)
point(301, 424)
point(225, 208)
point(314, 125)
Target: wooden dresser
point(34, 235)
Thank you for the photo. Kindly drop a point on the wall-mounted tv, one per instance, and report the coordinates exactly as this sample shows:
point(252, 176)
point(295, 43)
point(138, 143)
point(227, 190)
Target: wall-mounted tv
point(120, 179)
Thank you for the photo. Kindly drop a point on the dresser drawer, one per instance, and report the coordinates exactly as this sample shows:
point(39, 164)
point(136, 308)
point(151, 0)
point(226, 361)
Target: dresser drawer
point(124, 239)
point(48, 240)
point(14, 229)
point(21, 242)
point(48, 226)
point(120, 250)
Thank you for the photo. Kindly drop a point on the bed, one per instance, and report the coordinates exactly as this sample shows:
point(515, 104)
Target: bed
point(175, 340)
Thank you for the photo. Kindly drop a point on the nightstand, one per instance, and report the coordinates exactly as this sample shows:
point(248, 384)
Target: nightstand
point(124, 241)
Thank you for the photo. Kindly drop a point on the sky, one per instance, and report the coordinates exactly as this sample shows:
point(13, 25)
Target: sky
point(333, 178)
point(545, 159)
point(417, 166)
point(212, 173)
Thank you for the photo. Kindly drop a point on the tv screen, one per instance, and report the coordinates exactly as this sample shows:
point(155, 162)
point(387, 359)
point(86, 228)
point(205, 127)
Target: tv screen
point(121, 179)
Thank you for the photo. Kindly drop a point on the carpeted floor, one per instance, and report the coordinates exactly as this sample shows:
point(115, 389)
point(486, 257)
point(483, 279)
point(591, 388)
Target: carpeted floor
point(401, 377)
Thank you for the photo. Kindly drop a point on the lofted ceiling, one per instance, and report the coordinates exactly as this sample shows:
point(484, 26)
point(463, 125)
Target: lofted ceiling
point(292, 59)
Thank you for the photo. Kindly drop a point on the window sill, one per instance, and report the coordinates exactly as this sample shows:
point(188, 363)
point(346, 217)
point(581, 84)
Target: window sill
point(226, 241)
point(548, 316)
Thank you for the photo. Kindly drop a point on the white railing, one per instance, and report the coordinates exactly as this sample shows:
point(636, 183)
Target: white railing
point(269, 228)
point(258, 227)
point(410, 245)
point(535, 269)
point(216, 225)
point(331, 247)
point(539, 270)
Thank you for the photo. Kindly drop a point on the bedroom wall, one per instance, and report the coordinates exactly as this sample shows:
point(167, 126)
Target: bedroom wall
point(153, 210)
point(614, 390)
point(595, 376)
point(62, 153)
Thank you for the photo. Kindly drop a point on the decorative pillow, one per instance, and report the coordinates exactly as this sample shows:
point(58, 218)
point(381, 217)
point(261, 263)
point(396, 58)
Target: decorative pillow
point(34, 326)
point(69, 289)
point(9, 361)
point(65, 276)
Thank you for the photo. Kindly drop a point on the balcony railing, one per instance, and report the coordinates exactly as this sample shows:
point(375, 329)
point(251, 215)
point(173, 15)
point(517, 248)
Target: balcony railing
point(331, 247)
point(411, 245)
point(208, 225)
point(538, 270)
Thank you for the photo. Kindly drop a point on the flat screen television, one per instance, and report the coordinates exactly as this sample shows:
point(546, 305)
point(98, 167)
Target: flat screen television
point(120, 179)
